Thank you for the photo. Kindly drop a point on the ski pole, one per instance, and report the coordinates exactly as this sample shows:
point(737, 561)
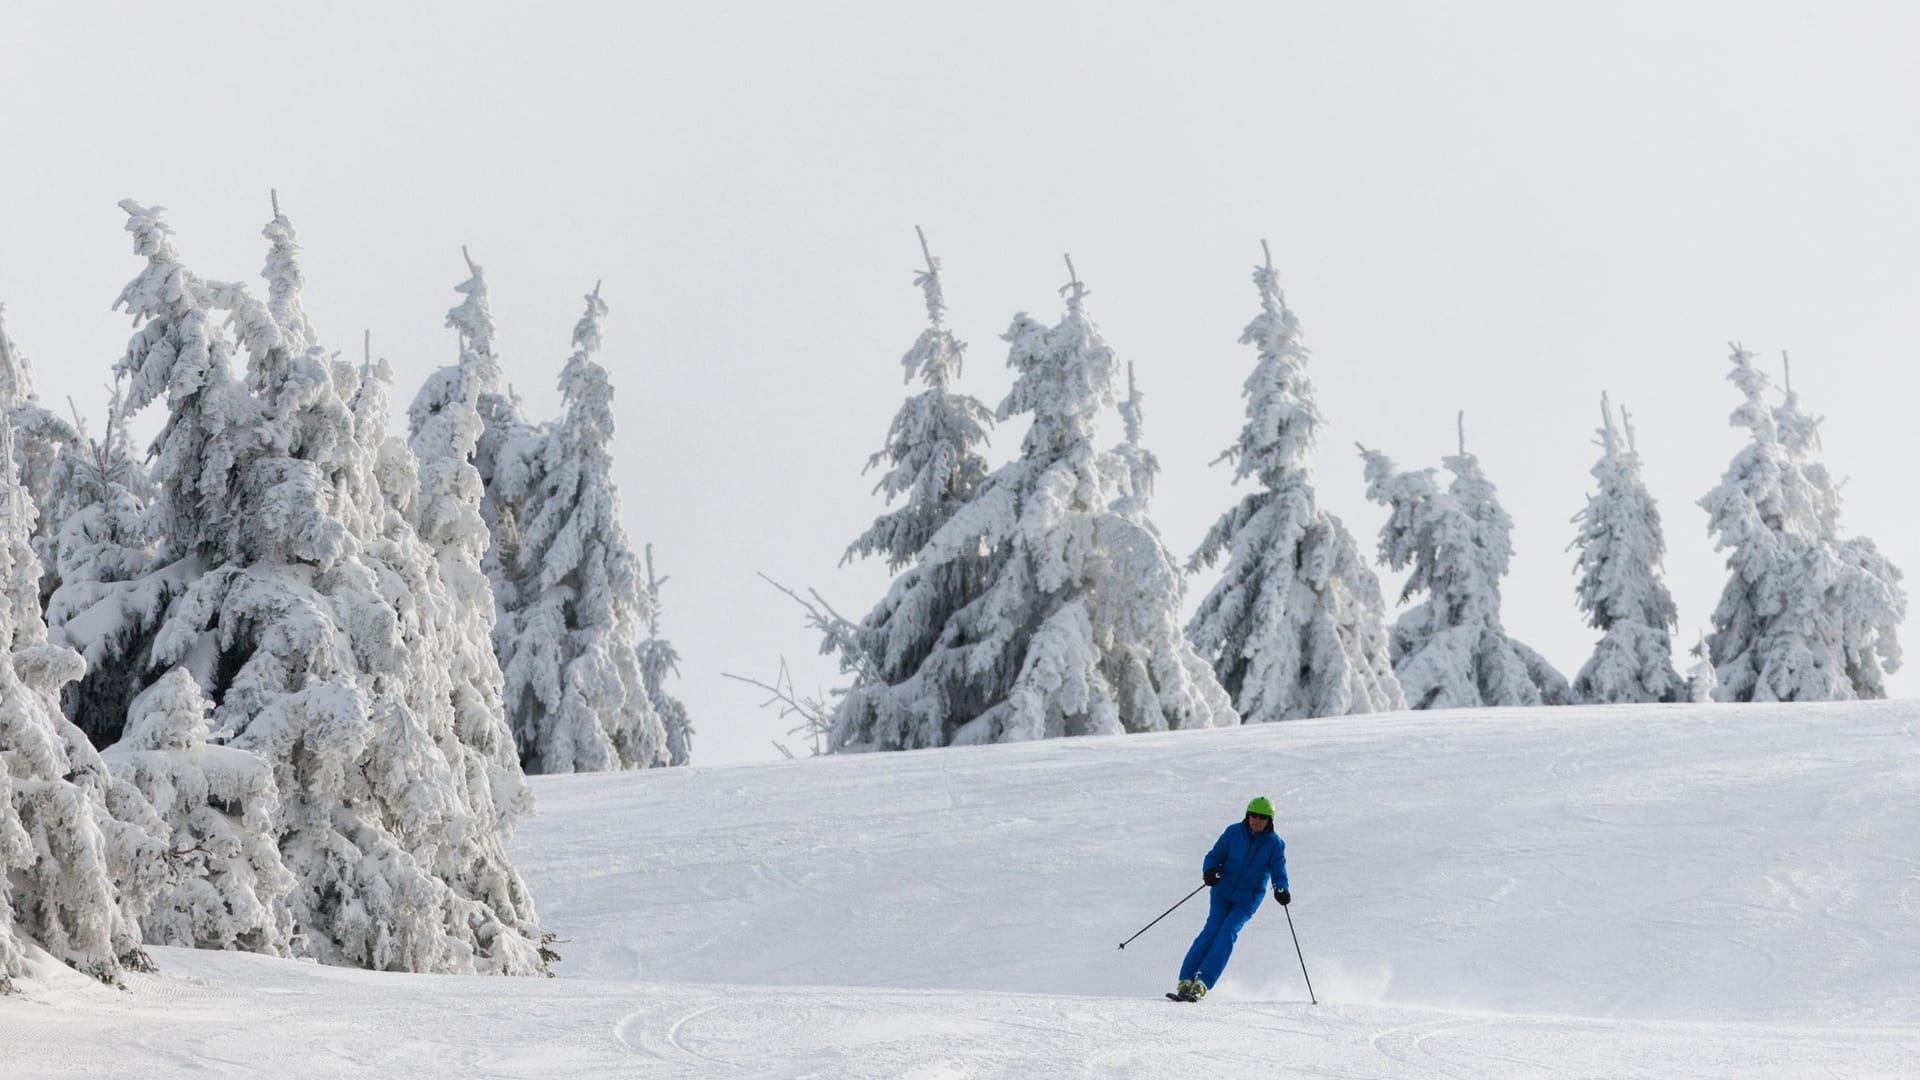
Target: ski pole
point(1162, 915)
point(1296, 952)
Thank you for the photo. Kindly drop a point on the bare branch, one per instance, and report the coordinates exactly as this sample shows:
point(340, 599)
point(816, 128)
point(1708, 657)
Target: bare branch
point(842, 634)
point(816, 720)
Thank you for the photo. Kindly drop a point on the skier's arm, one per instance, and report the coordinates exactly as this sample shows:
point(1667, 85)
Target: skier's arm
point(1217, 855)
point(1279, 867)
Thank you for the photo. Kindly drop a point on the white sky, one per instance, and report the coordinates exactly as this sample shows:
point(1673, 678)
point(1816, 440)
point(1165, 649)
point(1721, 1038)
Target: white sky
point(1505, 208)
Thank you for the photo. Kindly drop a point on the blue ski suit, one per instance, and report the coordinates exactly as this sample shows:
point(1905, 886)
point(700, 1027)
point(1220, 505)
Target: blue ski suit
point(1246, 860)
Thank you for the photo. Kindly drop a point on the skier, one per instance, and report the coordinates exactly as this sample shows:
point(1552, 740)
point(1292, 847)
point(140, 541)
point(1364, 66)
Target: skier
point(1238, 868)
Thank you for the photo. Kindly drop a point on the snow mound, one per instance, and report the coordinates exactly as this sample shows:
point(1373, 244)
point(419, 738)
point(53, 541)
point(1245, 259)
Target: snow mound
point(1645, 890)
point(1683, 862)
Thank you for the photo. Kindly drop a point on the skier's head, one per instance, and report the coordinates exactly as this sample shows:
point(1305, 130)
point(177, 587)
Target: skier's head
point(1260, 814)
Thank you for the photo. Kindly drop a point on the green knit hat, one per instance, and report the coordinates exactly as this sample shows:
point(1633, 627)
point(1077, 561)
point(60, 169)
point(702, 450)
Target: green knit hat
point(1261, 806)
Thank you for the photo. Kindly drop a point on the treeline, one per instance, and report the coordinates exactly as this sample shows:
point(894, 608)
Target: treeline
point(1038, 599)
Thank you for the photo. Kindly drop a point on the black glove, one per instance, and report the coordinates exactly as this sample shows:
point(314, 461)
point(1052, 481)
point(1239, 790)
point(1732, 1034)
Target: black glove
point(1281, 894)
point(1212, 876)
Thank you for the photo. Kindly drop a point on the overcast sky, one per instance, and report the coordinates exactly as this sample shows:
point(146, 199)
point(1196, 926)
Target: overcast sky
point(1503, 208)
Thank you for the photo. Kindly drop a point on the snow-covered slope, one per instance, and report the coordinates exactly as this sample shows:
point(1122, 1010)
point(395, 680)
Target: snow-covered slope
point(1647, 891)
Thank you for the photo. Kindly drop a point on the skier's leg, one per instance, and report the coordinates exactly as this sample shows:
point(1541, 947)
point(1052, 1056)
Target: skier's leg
point(1197, 952)
point(1220, 949)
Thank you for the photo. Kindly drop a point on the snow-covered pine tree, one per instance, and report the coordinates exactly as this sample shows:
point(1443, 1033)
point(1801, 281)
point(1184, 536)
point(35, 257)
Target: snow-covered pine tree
point(479, 458)
point(1450, 650)
point(575, 691)
point(1765, 519)
point(1701, 680)
point(113, 599)
point(1494, 534)
point(1074, 628)
point(1296, 626)
point(115, 585)
point(506, 450)
point(1867, 598)
point(1620, 589)
point(229, 885)
point(1806, 614)
point(284, 280)
point(433, 495)
point(41, 439)
point(312, 631)
point(459, 697)
point(107, 604)
point(444, 432)
point(931, 447)
point(445, 611)
point(659, 659)
point(80, 855)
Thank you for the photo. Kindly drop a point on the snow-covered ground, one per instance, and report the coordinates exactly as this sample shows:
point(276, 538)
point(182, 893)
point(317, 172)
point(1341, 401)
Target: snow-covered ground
point(1668, 891)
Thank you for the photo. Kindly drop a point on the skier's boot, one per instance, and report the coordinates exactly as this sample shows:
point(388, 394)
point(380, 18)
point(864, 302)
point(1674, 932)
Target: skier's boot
point(1196, 990)
point(1186, 990)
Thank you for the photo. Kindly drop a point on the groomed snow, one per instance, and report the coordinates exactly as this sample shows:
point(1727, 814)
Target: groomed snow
point(1634, 891)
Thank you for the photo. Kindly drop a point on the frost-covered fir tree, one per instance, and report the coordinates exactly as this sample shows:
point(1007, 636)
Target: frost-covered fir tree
point(229, 885)
point(284, 280)
point(1296, 626)
point(509, 453)
point(935, 464)
point(306, 612)
point(575, 691)
point(445, 431)
point(107, 604)
point(458, 698)
point(1073, 628)
point(1806, 614)
point(1701, 681)
point(1450, 650)
point(435, 492)
point(1620, 588)
point(505, 450)
point(80, 855)
point(41, 439)
point(445, 612)
point(1866, 596)
point(658, 660)
point(931, 456)
point(112, 604)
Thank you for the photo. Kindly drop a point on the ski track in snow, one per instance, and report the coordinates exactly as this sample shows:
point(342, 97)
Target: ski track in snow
point(1584, 892)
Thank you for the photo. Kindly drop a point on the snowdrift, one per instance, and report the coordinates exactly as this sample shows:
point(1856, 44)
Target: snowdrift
point(1657, 891)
